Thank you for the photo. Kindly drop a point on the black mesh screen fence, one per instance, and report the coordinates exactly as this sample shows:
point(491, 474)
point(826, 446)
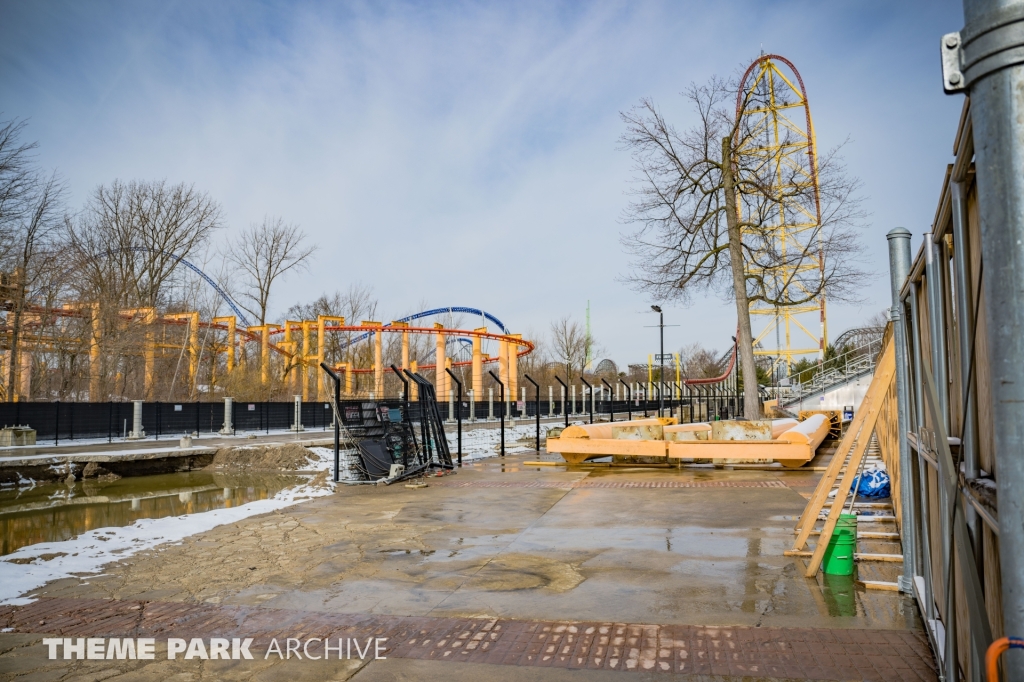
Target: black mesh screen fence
point(60, 421)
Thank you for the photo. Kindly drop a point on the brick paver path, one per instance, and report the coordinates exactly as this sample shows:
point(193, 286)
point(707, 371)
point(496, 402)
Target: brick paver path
point(796, 653)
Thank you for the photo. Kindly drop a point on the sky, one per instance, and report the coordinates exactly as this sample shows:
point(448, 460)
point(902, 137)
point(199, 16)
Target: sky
point(467, 153)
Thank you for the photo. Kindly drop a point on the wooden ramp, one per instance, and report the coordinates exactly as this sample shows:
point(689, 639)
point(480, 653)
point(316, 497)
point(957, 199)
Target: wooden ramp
point(842, 470)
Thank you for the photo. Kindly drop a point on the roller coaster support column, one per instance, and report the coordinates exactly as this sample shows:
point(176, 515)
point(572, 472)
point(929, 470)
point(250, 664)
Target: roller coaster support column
point(378, 359)
point(95, 357)
point(150, 354)
point(229, 342)
point(442, 385)
point(458, 413)
point(321, 350)
point(405, 344)
point(348, 377)
point(536, 387)
point(193, 344)
point(264, 353)
point(993, 77)
point(513, 365)
point(193, 351)
point(295, 364)
point(321, 357)
point(478, 364)
point(264, 331)
point(415, 388)
point(503, 360)
point(304, 373)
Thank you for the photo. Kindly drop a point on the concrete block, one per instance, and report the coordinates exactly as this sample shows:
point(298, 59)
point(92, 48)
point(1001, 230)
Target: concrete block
point(683, 432)
point(639, 432)
point(17, 435)
point(741, 430)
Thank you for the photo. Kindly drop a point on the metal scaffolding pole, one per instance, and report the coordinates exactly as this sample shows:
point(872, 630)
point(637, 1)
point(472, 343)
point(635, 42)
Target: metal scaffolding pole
point(986, 61)
point(899, 268)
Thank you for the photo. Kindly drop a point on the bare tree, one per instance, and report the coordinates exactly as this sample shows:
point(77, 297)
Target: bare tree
point(706, 203)
point(17, 183)
point(698, 362)
point(570, 345)
point(879, 321)
point(33, 230)
point(263, 254)
point(131, 237)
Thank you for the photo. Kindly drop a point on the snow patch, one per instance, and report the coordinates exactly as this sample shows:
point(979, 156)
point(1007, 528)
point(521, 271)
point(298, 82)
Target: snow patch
point(28, 569)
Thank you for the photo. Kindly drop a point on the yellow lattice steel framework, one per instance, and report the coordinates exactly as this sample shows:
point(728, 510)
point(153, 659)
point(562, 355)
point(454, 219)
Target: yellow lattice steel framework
point(778, 140)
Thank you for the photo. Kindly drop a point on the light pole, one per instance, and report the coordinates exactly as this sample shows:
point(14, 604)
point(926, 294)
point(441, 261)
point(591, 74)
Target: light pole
point(661, 361)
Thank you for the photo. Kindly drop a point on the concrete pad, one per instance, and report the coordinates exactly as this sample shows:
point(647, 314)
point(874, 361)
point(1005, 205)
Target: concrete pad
point(505, 540)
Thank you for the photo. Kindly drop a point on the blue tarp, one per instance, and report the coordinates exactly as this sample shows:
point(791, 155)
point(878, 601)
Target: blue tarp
point(873, 483)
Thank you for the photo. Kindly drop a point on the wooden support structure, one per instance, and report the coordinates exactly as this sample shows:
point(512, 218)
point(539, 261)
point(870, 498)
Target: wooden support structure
point(849, 454)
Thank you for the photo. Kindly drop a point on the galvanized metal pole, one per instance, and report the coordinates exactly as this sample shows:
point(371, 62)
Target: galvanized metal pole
point(995, 79)
point(965, 332)
point(937, 337)
point(899, 268)
point(937, 324)
point(925, 546)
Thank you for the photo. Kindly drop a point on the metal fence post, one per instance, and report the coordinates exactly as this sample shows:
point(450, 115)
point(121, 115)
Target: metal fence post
point(458, 418)
point(501, 397)
point(591, 389)
point(629, 400)
point(536, 386)
point(564, 411)
point(611, 403)
point(337, 422)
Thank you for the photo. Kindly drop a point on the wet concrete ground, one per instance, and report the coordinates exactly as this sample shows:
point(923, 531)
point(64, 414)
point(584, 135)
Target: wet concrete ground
point(503, 540)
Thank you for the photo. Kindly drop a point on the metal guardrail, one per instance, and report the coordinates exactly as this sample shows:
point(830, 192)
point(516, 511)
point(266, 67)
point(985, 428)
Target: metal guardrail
point(852, 364)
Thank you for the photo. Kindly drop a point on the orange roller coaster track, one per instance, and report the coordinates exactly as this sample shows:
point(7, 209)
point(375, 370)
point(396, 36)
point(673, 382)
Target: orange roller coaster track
point(300, 347)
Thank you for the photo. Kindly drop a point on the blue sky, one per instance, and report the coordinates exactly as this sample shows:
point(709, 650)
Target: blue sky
point(465, 153)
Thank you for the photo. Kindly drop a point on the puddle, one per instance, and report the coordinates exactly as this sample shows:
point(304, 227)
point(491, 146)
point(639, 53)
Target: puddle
point(54, 512)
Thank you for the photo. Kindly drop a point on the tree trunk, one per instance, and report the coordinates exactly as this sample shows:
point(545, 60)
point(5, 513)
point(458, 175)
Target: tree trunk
point(14, 369)
point(745, 342)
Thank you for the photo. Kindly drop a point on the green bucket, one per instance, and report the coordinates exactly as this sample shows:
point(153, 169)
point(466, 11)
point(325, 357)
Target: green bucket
point(841, 546)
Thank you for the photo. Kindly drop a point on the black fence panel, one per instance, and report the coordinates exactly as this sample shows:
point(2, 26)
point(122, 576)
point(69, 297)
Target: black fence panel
point(317, 415)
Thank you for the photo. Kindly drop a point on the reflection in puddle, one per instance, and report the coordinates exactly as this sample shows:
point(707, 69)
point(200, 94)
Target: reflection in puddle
point(56, 512)
point(840, 595)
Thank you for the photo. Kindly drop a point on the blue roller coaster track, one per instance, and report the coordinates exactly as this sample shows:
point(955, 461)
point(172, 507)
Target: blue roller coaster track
point(439, 311)
point(245, 320)
point(191, 266)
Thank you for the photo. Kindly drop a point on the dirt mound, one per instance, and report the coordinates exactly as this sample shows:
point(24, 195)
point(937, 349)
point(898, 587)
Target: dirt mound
point(287, 457)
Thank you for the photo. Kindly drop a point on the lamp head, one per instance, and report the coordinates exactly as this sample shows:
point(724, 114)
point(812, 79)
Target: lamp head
point(656, 309)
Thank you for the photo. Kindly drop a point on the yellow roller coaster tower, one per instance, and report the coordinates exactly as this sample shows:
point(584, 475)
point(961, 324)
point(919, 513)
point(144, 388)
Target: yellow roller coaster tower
point(778, 129)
